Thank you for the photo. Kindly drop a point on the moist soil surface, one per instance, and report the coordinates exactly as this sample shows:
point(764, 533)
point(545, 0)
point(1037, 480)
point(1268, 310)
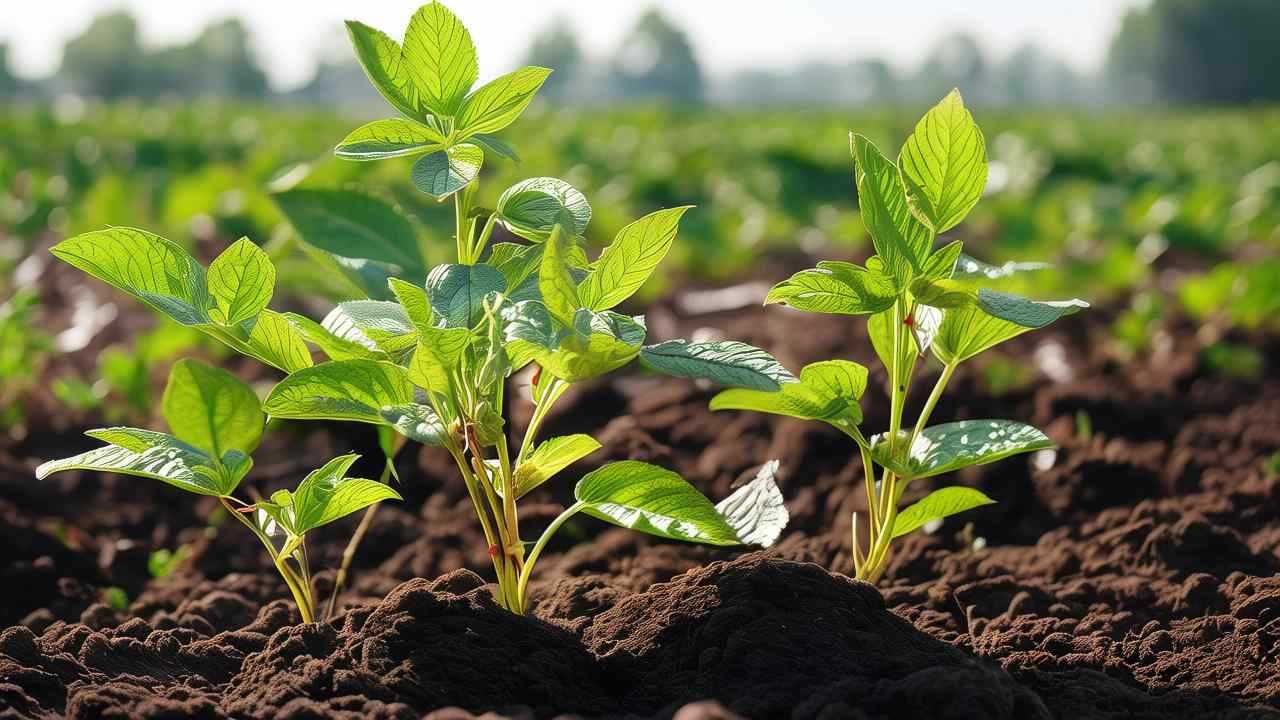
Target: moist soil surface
point(1131, 573)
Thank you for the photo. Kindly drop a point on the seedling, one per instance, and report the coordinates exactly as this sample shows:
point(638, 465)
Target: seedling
point(430, 361)
point(919, 299)
point(216, 423)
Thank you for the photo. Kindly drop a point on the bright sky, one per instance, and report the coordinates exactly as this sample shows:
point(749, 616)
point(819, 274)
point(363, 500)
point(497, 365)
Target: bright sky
point(728, 35)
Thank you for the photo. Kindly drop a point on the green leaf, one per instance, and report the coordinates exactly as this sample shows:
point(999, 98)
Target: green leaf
point(393, 137)
point(440, 58)
point(445, 172)
point(941, 263)
point(938, 504)
point(457, 292)
point(943, 293)
point(375, 324)
point(413, 299)
point(727, 362)
point(156, 271)
point(212, 409)
point(756, 511)
point(970, 268)
point(827, 391)
point(498, 103)
point(552, 456)
point(944, 164)
point(356, 390)
point(383, 61)
point(165, 458)
point(835, 287)
point(956, 445)
point(241, 281)
point(1027, 313)
point(598, 343)
point(436, 355)
point(352, 225)
point(274, 341)
point(901, 241)
point(631, 258)
point(880, 330)
point(644, 497)
point(327, 494)
point(417, 422)
point(335, 347)
point(559, 292)
point(532, 208)
point(495, 145)
point(135, 439)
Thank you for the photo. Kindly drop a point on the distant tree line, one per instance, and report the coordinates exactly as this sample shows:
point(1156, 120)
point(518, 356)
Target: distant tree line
point(1175, 51)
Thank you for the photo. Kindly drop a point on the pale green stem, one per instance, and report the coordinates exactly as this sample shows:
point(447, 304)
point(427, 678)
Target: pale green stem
point(537, 549)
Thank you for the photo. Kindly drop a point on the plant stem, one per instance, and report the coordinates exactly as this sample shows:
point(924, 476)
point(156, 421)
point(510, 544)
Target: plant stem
point(534, 554)
point(947, 371)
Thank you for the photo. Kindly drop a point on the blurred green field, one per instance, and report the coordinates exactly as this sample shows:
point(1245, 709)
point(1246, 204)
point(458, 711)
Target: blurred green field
point(1113, 199)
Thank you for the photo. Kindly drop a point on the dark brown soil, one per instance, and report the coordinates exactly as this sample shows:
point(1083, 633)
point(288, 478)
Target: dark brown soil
point(1133, 573)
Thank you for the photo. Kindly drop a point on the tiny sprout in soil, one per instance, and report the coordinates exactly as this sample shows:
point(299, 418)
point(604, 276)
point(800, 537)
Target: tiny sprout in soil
point(919, 299)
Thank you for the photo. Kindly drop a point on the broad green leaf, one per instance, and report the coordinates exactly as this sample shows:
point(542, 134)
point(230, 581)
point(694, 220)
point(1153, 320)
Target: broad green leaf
point(166, 459)
point(135, 439)
point(836, 287)
point(1027, 313)
point(241, 281)
point(352, 225)
point(436, 355)
point(274, 341)
point(375, 324)
point(445, 172)
point(498, 103)
point(756, 511)
point(938, 504)
point(417, 422)
point(440, 58)
point(969, 331)
point(827, 391)
point(727, 362)
point(393, 137)
point(970, 268)
point(413, 299)
point(327, 494)
point(644, 497)
point(212, 409)
point(631, 258)
point(383, 61)
point(552, 456)
point(598, 343)
point(901, 241)
point(941, 263)
point(944, 164)
point(955, 445)
point(356, 390)
point(515, 262)
point(156, 271)
point(560, 293)
point(346, 347)
point(532, 208)
point(457, 292)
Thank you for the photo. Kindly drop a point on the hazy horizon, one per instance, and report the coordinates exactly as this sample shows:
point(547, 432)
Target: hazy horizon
point(727, 37)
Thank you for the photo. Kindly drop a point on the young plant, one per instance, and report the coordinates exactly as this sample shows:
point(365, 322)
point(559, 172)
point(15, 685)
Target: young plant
point(919, 299)
point(216, 422)
point(432, 363)
point(429, 361)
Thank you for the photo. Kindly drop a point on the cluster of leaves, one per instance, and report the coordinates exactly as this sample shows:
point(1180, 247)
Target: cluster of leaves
point(429, 361)
point(919, 299)
point(216, 423)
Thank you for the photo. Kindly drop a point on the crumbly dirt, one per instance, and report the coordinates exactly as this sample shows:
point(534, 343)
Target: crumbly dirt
point(1131, 573)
